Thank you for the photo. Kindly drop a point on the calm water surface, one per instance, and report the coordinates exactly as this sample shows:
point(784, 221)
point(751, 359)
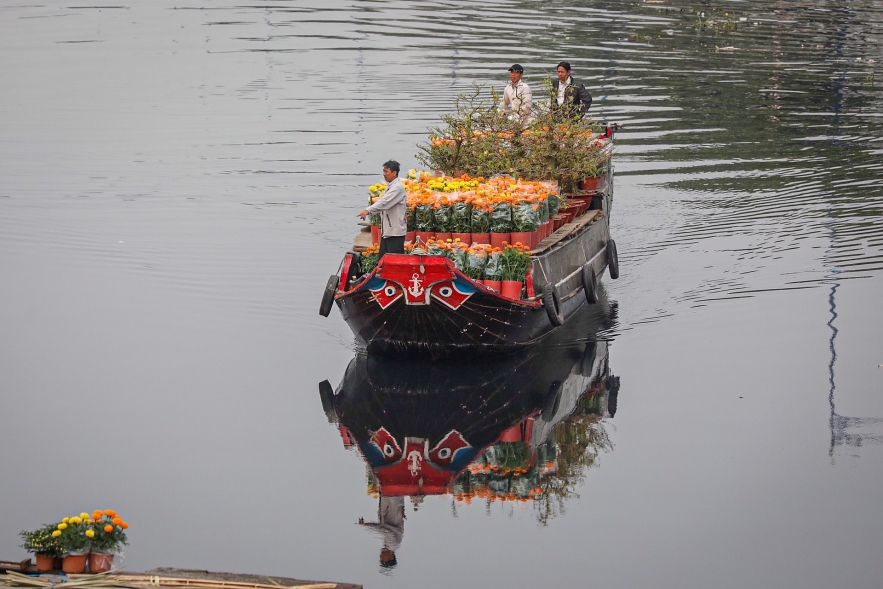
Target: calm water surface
point(178, 180)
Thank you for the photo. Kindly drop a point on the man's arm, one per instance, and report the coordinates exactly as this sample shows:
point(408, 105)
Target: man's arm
point(394, 195)
point(526, 100)
point(585, 99)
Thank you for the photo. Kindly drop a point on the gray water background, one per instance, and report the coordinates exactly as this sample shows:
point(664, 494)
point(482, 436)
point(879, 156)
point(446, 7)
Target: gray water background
point(178, 180)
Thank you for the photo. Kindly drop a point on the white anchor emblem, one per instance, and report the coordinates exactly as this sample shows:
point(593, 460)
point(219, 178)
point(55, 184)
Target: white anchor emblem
point(414, 462)
point(415, 290)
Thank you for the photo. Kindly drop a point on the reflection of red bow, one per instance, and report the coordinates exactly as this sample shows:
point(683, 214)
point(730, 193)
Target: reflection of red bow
point(444, 451)
point(386, 444)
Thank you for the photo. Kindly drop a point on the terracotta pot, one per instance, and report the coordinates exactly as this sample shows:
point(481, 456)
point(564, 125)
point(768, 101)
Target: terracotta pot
point(74, 563)
point(497, 285)
point(463, 237)
point(423, 236)
point(511, 289)
point(100, 562)
point(442, 236)
point(590, 183)
point(559, 220)
point(497, 239)
point(45, 562)
point(375, 234)
point(484, 238)
point(525, 237)
point(409, 236)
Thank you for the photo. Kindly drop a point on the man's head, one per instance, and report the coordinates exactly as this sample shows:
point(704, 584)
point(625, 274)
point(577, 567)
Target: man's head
point(391, 170)
point(387, 558)
point(515, 73)
point(563, 71)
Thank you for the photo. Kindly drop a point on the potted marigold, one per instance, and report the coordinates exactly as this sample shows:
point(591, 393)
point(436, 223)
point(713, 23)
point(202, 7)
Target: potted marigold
point(44, 546)
point(107, 539)
point(73, 535)
point(514, 266)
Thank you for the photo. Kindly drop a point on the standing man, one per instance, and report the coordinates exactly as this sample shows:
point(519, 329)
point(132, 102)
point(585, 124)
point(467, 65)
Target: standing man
point(517, 99)
point(393, 212)
point(568, 95)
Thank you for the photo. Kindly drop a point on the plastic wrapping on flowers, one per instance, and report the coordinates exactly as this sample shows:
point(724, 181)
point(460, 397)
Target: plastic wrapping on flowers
point(481, 218)
point(544, 210)
point(493, 268)
point(433, 248)
point(412, 219)
point(526, 216)
point(474, 263)
point(441, 216)
point(501, 217)
point(461, 216)
point(423, 217)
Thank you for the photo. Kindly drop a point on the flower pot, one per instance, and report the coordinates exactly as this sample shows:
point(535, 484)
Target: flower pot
point(74, 563)
point(497, 285)
point(100, 562)
point(559, 220)
point(523, 237)
point(423, 236)
point(443, 236)
point(463, 237)
point(409, 236)
point(590, 183)
point(45, 562)
point(484, 238)
point(511, 289)
point(375, 234)
point(497, 239)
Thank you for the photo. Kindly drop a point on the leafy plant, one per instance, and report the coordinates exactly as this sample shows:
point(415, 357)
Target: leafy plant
point(515, 262)
point(41, 541)
point(108, 532)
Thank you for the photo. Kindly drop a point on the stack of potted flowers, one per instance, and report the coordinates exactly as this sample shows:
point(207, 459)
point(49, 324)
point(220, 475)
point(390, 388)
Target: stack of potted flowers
point(86, 538)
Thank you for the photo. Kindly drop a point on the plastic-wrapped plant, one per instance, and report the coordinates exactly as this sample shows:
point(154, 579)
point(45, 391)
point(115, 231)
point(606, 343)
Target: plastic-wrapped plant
point(501, 217)
point(526, 216)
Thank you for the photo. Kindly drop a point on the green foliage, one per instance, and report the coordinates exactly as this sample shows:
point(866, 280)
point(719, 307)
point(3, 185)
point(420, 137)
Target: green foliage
point(515, 262)
point(41, 541)
point(479, 140)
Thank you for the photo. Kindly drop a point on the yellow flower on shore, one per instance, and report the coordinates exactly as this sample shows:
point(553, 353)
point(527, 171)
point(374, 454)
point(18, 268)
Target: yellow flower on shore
point(90, 533)
point(65, 520)
point(84, 516)
point(56, 533)
point(62, 526)
point(76, 520)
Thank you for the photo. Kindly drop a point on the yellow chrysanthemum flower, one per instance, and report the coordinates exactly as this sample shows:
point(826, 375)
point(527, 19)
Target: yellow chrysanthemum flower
point(65, 520)
point(84, 516)
point(62, 526)
point(90, 533)
point(76, 520)
point(56, 533)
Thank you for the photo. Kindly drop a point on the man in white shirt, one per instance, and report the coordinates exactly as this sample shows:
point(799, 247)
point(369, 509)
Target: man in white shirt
point(517, 98)
point(393, 211)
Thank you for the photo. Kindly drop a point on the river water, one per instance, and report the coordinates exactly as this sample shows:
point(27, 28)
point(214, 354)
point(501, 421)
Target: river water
point(178, 180)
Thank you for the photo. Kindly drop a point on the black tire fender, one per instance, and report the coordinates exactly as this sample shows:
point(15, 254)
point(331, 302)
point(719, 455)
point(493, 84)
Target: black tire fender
point(590, 284)
point(552, 304)
point(328, 296)
point(553, 401)
point(612, 259)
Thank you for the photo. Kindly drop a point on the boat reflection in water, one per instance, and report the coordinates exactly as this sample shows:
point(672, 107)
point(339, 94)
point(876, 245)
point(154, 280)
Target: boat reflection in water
point(523, 428)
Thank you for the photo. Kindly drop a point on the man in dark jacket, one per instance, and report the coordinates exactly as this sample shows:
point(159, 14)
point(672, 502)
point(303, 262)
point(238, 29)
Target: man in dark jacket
point(569, 95)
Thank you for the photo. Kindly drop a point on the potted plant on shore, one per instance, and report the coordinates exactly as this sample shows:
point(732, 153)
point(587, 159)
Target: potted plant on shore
point(107, 539)
point(44, 546)
point(73, 539)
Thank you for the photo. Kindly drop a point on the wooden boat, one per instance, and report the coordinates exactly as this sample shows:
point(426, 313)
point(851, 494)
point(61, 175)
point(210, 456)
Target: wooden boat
point(422, 306)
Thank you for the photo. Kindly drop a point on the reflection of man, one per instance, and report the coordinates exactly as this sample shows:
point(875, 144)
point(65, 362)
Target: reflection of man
point(517, 98)
point(393, 211)
point(390, 526)
point(569, 95)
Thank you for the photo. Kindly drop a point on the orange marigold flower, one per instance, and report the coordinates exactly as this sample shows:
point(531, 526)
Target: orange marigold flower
point(124, 525)
point(108, 528)
point(109, 512)
point(117, 520)
point(96, 515)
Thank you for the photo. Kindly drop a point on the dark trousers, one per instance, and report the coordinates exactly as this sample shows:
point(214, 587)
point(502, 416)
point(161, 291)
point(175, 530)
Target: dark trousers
point(392, 245)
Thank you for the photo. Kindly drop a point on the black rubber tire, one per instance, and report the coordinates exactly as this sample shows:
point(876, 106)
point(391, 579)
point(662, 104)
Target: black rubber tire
point(552, 304)
point(328, 296)
point(590, 284)
point(612, 259)
point(326, 394)
point(553, 401)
